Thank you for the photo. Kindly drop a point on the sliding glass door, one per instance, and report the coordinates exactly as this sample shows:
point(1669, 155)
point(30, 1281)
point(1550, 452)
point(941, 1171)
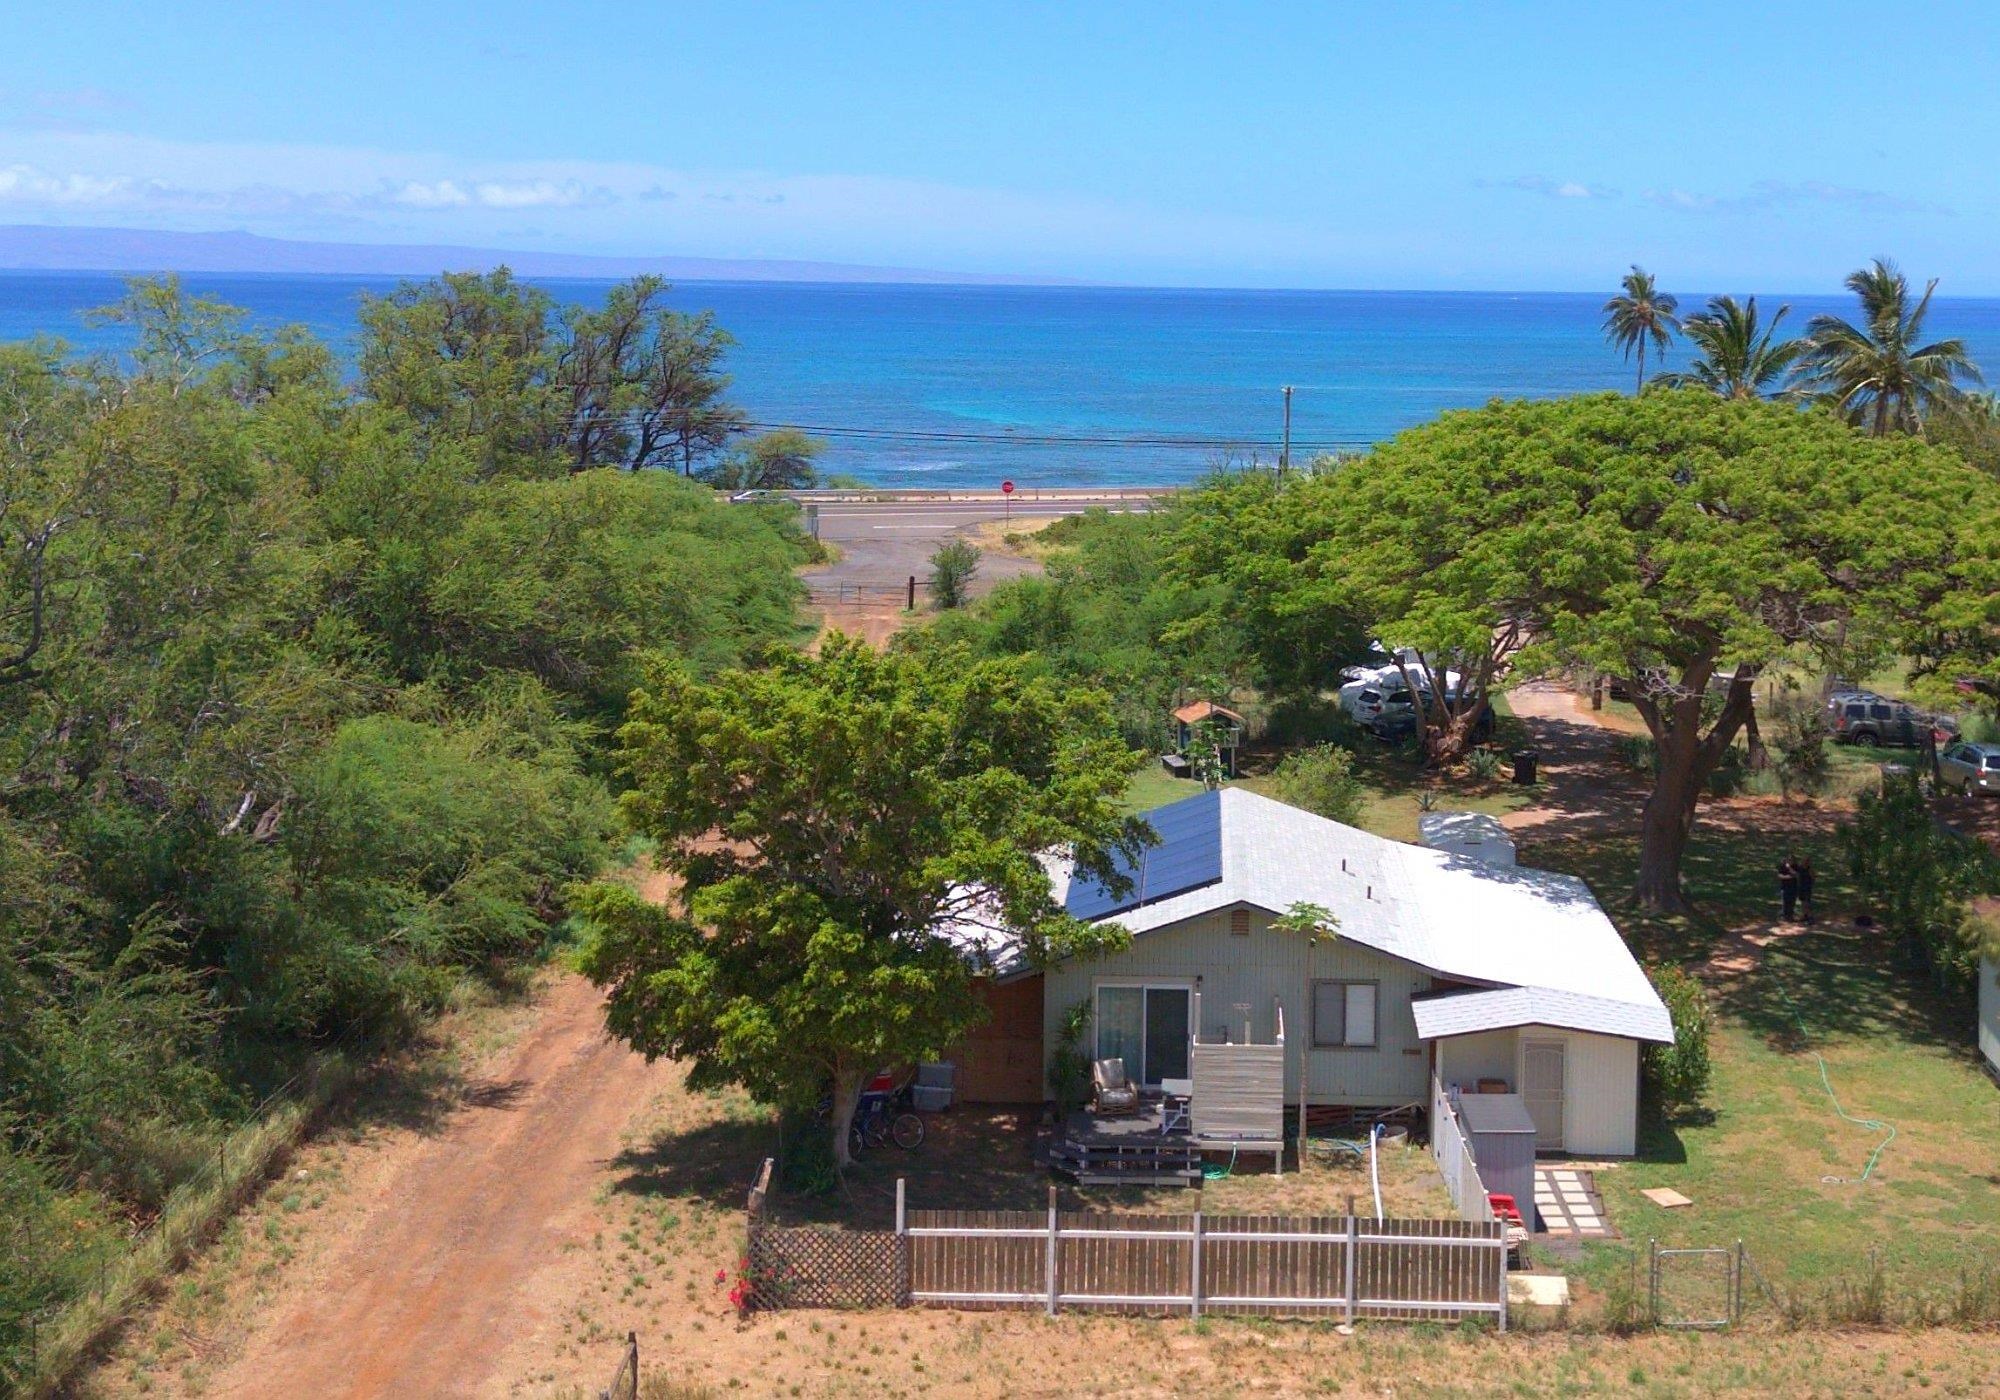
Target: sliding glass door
point(1146, 1027)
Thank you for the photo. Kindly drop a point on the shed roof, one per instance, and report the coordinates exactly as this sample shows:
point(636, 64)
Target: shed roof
point(1205, 709)
point(1499, 927)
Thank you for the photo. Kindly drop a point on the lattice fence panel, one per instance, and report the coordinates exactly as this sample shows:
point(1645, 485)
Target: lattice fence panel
point(802, 1267)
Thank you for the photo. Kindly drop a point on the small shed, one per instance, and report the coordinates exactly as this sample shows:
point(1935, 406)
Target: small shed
point(1502, 1137)
point(1471, 834)
point(1226, 724)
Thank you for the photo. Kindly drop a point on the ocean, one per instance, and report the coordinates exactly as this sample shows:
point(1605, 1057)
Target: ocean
point(918, 386)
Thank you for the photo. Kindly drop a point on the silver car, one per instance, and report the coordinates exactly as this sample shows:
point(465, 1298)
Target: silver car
point(1971, 768)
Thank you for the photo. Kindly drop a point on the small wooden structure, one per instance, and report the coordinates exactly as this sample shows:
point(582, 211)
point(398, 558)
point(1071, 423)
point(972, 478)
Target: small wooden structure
point(1130, 1150)
point(1239, 1091)
point(1227, 726)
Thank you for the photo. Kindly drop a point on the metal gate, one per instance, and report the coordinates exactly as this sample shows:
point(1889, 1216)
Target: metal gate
point(1694, 1287)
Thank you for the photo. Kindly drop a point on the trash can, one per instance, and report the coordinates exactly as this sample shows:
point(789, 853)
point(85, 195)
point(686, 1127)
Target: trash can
point(1524, 766)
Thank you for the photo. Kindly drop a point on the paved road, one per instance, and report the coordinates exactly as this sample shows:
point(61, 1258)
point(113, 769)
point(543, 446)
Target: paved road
point(882, 543)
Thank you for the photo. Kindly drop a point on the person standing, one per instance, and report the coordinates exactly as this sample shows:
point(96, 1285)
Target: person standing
point(1788, 888)
point(1803, 871)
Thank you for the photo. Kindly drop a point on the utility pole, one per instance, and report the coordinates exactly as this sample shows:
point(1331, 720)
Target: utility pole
point(1285, 452)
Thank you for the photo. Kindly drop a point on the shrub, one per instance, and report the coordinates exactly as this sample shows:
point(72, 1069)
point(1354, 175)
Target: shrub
point(1919, 877)
point(1800, 744)
point(1069, 1066)
point(1638, 752)
point(1674, 1077)
point(1321, 779)
point(1484, 764)
point(953, 567)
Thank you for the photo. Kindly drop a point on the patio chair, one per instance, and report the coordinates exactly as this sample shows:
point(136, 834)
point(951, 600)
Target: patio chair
point(1112, 1093)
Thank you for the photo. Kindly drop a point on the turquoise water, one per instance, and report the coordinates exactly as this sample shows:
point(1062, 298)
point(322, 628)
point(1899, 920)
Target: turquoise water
point(1085, 385)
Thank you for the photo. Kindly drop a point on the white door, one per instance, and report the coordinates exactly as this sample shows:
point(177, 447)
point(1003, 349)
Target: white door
point(1542, 1091)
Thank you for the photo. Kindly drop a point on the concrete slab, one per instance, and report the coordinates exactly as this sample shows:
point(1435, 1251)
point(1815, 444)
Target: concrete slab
point(1538, 1290)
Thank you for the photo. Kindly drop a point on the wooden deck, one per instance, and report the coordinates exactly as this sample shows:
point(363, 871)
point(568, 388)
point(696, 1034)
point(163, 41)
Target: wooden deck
point(1129, 1149)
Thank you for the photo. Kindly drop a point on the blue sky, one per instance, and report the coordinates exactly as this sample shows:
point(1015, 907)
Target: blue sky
point(1501, 146)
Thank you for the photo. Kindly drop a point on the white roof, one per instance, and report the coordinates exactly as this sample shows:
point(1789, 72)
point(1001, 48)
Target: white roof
point(1467, 834)
point(1534, 931)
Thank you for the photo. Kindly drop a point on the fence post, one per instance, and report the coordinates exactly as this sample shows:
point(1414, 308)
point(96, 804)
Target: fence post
point(1736, 1286)
point(632, 1360)
point(1194, 1268)
point(913, 593)
point(1501, 1226)
point(1652, 1283)
point(902, 1250)
point(1052, 1249)
point(1353, 1249)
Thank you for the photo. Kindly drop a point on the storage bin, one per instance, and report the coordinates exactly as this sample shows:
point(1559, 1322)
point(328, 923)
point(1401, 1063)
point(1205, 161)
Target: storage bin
point(929, 1098)
point(937, 1076)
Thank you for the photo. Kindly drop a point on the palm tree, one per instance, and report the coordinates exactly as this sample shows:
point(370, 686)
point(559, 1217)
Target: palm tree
point(1639, 314)
point(1877, 373)
point(1735, 360)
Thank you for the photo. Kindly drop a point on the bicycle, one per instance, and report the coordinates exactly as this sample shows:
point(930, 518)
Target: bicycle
point(881, 1118)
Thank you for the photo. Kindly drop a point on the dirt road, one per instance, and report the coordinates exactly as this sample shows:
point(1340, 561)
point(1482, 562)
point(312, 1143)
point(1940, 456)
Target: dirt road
point(459, 1242)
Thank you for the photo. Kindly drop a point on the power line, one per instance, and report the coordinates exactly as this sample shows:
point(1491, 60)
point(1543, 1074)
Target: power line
point(855, 433)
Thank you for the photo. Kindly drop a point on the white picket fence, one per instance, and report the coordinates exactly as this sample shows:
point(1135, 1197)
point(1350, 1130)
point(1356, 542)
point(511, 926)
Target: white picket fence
point(1343, 1266)
point(1454, 1158)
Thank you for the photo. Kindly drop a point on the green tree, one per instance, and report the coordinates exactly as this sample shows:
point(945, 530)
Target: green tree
point(838, 822)
point(1677, 540)
point(645, 384)
point(954, 564)
point(1640, 315)
point(781, 460)
point(1878, 374)
point(1736, 357)
point(1920, 877)
point(1321, 779)
point(1673, 1078)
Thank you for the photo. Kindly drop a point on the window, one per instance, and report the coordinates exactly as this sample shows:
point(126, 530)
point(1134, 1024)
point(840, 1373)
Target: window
point(1878, 712)
point(1344, 1015)
point(1857, 712)
point(1146, 1027)
point(1239, 922)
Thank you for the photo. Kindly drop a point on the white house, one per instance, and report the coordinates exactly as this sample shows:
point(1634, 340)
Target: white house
point(1989, 1012)
point(1444, 964)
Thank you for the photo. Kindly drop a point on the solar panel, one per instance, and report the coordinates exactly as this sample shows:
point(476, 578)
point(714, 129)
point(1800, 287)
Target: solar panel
point(1187, 856)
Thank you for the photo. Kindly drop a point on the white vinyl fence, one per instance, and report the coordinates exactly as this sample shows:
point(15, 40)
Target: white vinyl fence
point(1454, 1159)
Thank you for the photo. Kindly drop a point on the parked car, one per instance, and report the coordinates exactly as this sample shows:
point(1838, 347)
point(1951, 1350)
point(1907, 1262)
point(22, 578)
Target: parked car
point(1971, 768)
point(1862, 717)
point(1397, 720)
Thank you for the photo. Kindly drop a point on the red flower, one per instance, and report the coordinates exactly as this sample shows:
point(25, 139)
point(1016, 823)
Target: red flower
point(721, 1276)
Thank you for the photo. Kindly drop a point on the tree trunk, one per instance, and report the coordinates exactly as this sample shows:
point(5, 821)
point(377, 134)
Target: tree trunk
point(1640, 387)
point(1685, 759)
point(846, 1095)
point(1664, 827)
point(1760, 757)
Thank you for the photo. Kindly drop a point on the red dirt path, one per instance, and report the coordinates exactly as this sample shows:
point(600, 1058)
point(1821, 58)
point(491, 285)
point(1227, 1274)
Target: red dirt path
point(459, 1243)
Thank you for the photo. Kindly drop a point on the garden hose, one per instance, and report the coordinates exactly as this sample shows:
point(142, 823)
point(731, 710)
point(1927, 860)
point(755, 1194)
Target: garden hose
point(1874, 1125)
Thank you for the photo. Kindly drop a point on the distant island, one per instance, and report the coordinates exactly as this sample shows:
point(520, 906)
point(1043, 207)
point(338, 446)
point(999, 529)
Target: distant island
point(56, 248)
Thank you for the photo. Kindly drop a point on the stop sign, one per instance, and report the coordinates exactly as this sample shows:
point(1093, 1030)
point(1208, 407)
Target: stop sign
point(1006, 488)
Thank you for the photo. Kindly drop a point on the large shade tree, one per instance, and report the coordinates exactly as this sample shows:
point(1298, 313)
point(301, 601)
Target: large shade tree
point(838, 824)
point(1677, 540)
point(1640, 315)
point(1880, 373)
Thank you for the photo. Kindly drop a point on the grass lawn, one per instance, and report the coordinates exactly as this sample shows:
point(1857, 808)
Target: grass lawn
point(1770, 1161)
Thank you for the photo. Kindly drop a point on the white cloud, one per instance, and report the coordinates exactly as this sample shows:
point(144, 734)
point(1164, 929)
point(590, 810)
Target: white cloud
point(540, 194)
point(440, 194)
point(1774, 194)
point(1559, 189)
point(30, 185)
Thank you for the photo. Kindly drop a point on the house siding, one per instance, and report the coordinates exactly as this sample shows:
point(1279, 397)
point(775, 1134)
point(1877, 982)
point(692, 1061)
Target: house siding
point(1260, 968)
point(1600, 1090)
point(1600, 1081)
point(1989, 1012)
